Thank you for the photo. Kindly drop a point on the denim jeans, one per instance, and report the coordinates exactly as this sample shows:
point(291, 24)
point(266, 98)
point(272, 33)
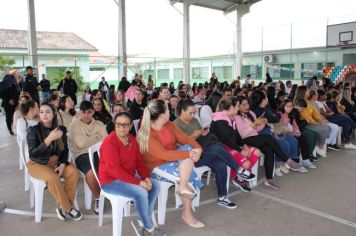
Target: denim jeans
point(144, 200)
point(45, 96)
point(347, 124)
point(217, 158)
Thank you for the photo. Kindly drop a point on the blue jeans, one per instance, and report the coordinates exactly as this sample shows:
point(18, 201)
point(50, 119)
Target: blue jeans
point(217, 158)
point(288, 144)
point(144, 200)
point(45, 96)
point(347, 124)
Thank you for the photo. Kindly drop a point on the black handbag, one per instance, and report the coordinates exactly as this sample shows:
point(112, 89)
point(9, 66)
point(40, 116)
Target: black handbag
point(208, 139)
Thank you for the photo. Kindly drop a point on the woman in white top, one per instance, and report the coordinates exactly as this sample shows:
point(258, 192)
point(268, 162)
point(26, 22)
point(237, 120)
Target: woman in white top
point(29, 118)
point(86, 94)
point(24, 97)
point(66, 111)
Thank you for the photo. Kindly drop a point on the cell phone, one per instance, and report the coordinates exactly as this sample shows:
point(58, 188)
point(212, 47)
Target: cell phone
point(263, 115)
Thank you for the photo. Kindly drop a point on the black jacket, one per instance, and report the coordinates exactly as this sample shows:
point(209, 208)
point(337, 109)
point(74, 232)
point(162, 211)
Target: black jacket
point(69, 86)
point(136, 109)
point(124, 85)
point(39, 151)
point(11, 93)
point(269, 115)
point(46, 85)
point(30, 86)
point(226, 134)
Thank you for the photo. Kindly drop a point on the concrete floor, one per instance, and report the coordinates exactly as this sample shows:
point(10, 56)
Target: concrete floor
point(321, 202)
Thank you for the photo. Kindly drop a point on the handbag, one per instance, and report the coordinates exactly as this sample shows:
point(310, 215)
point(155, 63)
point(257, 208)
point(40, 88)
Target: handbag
point(208, 139)
point(280, 130)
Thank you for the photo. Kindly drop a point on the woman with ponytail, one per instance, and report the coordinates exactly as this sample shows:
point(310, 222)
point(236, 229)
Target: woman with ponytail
point(48, 152)
point(158, 139)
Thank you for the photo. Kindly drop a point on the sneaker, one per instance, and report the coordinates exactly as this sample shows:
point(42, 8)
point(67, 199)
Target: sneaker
point(278, 172)
point(225, 202)
point(60, 214)
point(241, 184)
point(350, 146)
point(155, 232)
point(303, 169)
point(246, 175)
point(96, 206)
point(285, 169)
point(314, 158)
point(75, 214)
point(272, 184)
point(308, 164)
point(333, 147)
point(293, 166)
point(138, 227)
point(320, 152)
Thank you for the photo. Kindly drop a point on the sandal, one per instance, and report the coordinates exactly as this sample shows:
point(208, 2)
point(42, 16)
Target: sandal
point(186, 194)
point(196, 225)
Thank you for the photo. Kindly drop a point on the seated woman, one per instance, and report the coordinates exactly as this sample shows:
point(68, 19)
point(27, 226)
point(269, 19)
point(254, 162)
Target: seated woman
point(158, 139)
point(66, 111)
point(329, 109)
point(120, 98)
point(334, 128)
point(287, 117)
point(120, 158)
point(48, 151)
point(24, 97)
point(29, 111)
point(312, 116)
point(289, 144)
point(96, 94)
point(214, 154)
point(224, 127)
point(248, 127)
point(54, 100)
point(101, 113)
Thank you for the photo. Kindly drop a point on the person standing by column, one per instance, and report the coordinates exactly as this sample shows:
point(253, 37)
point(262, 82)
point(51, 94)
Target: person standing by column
point(69, 87)
point(45, 87)
point(31, 84)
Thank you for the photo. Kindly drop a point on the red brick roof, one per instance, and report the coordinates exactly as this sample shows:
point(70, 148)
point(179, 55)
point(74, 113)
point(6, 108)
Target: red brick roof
point(17, 39)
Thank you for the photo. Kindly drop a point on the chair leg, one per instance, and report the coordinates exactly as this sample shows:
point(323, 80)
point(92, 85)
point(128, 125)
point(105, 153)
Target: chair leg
point(228, 179)
point(208, 178)
point(27, 180)
point(20, 162)
point(87, 195)
point(101, 209)
point(117, 210)
point(127, 209)
point(154, 221)
point(32, 195)
point(255, 172)
point(162, 202)
point(38, 202)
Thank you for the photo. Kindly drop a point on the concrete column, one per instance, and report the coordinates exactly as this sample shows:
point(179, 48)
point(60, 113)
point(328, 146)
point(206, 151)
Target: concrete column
point(122, 62)
point(240, 12)
point(31, 34)
point(186, 42)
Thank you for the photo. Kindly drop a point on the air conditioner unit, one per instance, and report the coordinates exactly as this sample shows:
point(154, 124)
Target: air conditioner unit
point(268, 58)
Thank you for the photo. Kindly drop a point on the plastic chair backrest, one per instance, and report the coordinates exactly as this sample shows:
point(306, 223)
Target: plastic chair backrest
point(135, 123)
point(92, 150)
point(23, 148)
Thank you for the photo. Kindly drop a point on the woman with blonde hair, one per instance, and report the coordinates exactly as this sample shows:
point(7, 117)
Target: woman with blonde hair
point(158, 139)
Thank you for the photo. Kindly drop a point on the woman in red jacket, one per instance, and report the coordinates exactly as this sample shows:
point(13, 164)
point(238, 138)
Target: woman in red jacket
point(120, 158)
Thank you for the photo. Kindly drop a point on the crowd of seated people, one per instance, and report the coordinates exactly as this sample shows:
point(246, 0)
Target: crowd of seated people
point(220, 125)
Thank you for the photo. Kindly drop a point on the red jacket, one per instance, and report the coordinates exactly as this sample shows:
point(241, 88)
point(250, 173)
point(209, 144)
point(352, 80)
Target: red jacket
point(118, 162)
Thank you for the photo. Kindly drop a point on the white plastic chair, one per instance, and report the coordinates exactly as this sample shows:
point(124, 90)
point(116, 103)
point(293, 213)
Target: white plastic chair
point(23, 163)
point(339, 139)
point(200, 171)
point(136, 123)
point(36, 188)
point(205, 116)
point(118, 203)
point(254, 170)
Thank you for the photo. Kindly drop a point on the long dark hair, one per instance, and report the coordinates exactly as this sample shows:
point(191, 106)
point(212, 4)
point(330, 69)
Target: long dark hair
point(59, 142)
point(26, 106)
point(290, 115)
point(62, 105)
point(240, 99)
point(300, 93)
point(256, 99)
point(183, 105)
point(271, 95)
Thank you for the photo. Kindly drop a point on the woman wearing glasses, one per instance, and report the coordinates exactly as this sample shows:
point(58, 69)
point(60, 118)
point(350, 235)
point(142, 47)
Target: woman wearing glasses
point(120, 159)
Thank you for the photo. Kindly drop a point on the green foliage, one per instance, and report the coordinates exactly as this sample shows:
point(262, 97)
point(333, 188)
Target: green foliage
point(6, 63)
point(56, 75)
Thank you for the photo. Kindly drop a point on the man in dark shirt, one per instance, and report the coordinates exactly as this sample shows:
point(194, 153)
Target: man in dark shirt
point(45, 86)
point(31, 84)
point(138, 105)
point(69, 87)
point(104, 85)
point(124, 84)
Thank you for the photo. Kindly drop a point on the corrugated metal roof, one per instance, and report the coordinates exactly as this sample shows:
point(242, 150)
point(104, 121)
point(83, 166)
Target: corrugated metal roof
point(17, 39)
point(221, 5)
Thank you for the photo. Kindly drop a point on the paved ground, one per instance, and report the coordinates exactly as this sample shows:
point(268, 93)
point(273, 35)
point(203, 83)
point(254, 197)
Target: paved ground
point(321, 202)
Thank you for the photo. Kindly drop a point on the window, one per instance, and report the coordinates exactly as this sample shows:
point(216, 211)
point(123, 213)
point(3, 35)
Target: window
point(223, 72)
point(200, 73)
point(146, 73)
point(254, 70)
point(311, 69)
point(281, 71)
point(178, 74)
point(96, 69)
point(163, 74)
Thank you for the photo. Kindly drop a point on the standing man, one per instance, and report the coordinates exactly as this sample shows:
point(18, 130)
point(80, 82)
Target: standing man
point(103, 84)
point(45, 86)
point(31, 84)
point(69, 87)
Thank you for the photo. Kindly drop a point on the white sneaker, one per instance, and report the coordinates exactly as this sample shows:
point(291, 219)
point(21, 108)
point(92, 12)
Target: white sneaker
point(320, 152)
point(350, 146)
point(278, 172)
point(308, 164)
point(285, 169)
point(303, 169)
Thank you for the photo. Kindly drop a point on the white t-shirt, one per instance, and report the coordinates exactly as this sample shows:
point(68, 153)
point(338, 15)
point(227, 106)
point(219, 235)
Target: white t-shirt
point(21, 128)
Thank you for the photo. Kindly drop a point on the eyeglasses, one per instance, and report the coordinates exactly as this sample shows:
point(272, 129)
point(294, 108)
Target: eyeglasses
point(123, 125)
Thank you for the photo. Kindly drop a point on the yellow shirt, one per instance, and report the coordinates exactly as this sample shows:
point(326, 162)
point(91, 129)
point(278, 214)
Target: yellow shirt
point(310, 114)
